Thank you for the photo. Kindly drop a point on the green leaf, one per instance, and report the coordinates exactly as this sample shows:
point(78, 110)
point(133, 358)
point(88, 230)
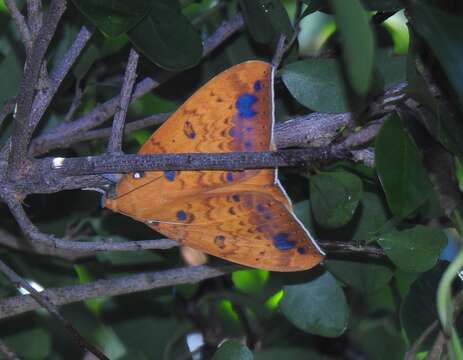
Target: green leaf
point(442, 32)
point(232, 350)
point(288, 353)
point(250, 281)
point(416, 249)
point(114, 17)
point(266, 20)
point(335, 197)
point(357, 42)
point(373, 215)
point(400, 169)
point(378, 338)
point(366, 277)
point(317, 84)
point(318, 307)
point(382, 5)
point(418, 310)
point(167, 38)
point(33, 344)
point(303, 213)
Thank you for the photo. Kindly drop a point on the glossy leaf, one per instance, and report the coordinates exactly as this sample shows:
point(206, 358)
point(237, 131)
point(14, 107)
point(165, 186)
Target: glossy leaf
point(288, 353)
point(400, 169)
point(366, 277)
point(266, 20)
point(372, 217)
point(317, 84)
point(442, 32)
point(318, 307)
point(167, 38)
point(233, 350)
point(114, 17)
point(357, 42)
point(416, 249)
point(335, 196)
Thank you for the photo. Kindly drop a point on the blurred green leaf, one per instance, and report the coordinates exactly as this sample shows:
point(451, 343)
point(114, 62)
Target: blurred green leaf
point(318, 307)
point(459, 172)
point(442, 32)
point(363, 276)
point(274, 300)
point(400, 170)
point(233, 350)
point(416, 249)
point(371, 217)
point(418, 310)
point(317, 84)
point(379, 339)
point(114, 17)
point(266, 20)
point(335, 196)
point(33, 344)
point(11, 69)
point(357, 41)
point(167, 38)
point(392, 68)
point(250, 281)
point(445, 126)
point(382, 5)
point(288, 353)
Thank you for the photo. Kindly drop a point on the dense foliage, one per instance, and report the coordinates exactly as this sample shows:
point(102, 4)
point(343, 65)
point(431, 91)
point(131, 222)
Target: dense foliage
point(392, 210)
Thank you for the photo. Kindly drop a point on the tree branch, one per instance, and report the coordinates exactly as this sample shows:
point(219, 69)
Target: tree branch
point(345, 247)
point(104, 111)
point(22, 128)
point(20, 23)
point(115, 141)
point(42, 300)
point(123, 285)
point(35, 235)
point(109, 164)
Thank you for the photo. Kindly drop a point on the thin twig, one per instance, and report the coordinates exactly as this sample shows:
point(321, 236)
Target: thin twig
point(23, 129)
point(22, 244)
point(20, 23)
point(5, 351)
point(43, 99)
point(152, 120)
point(76, 101)
point(411, 354)
point(279, 52)
point(437, 348)
point(104, 111)
point(123, 285)
point(42, 300)
point(115, 141)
